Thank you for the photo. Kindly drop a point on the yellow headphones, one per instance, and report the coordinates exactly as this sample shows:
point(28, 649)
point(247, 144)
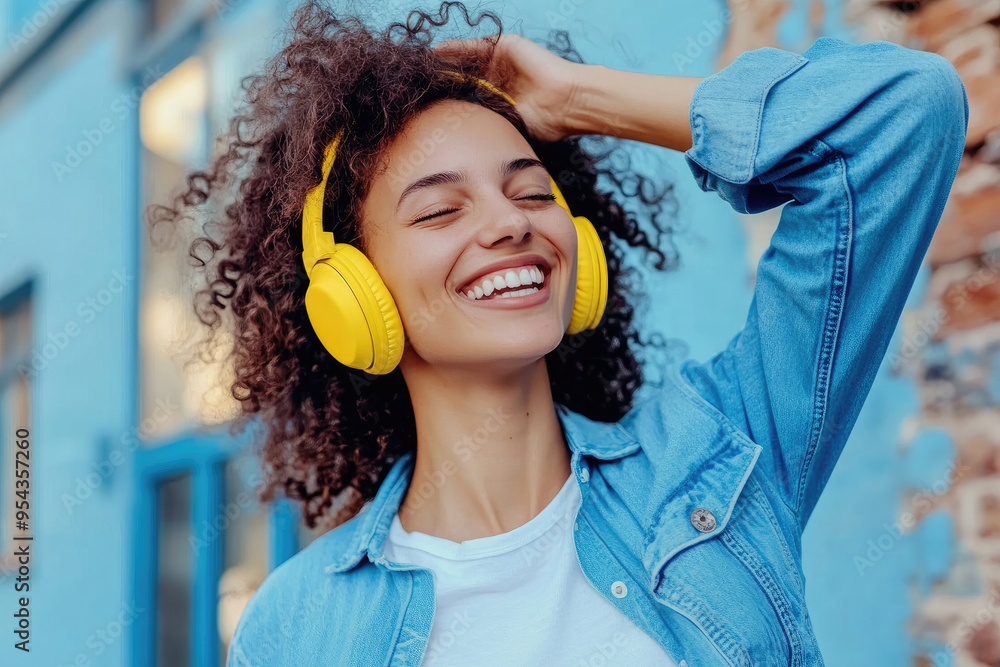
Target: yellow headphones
point(351, 309)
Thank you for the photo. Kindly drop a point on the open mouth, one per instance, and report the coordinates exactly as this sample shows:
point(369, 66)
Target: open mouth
point(507, 283)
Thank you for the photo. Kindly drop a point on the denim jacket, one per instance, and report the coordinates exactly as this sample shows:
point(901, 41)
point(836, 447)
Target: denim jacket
point(694, 502)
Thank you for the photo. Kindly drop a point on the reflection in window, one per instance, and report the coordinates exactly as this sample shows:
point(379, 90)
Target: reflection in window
point(178, 392)
point(245, 557)
point(160, 12)
point(178, 116)
point(16, 372)
point(174, 576)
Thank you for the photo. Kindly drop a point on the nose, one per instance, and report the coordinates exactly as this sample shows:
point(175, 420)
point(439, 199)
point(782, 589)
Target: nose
point(505, 223)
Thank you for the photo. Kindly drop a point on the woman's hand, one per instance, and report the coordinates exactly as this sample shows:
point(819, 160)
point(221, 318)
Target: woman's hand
point(541, 83)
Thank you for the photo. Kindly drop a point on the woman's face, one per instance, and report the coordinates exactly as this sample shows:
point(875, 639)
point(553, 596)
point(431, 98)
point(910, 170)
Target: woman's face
point(453, 210)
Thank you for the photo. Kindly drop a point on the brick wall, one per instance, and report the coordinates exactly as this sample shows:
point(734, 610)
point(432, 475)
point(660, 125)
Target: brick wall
point(950, 343)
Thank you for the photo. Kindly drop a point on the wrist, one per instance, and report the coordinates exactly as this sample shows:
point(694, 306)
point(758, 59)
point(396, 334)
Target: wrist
point(587, 109)
point(651, 108)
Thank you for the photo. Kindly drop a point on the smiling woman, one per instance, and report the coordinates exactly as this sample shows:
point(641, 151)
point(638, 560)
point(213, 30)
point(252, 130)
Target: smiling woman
point(491, 418)
point(441, 183)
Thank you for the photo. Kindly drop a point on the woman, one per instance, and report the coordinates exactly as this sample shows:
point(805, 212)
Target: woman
point(518, 509)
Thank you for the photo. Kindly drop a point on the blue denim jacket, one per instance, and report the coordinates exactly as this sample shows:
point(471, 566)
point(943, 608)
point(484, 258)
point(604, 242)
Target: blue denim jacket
point(697, 498)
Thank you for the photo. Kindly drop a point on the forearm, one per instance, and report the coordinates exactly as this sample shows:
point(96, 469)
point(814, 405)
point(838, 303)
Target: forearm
point(652, 108)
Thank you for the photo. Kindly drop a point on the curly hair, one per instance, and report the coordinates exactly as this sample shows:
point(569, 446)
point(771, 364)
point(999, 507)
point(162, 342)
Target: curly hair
point(332, 432)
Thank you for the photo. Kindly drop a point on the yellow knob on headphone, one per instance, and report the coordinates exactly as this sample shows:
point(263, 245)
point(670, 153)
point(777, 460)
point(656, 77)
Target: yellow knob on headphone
point(352, 311)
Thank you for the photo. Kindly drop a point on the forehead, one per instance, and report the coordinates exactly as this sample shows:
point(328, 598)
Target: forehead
point(448, 135)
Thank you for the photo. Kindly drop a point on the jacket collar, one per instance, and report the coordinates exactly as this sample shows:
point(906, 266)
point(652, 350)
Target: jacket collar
point(366, 532)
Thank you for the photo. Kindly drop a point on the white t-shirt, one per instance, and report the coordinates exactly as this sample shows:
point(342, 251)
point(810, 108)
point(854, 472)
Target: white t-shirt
point(521, 598)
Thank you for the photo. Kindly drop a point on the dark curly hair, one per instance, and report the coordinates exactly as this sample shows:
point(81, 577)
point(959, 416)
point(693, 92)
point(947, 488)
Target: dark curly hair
point(332, 432)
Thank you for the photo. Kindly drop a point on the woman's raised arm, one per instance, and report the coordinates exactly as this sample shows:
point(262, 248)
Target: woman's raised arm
point(862, 143)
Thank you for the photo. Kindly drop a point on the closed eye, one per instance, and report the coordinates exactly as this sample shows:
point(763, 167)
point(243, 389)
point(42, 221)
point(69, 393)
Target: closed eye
point(545, 197)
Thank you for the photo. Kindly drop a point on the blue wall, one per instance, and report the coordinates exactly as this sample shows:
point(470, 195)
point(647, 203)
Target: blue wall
point(74, 234)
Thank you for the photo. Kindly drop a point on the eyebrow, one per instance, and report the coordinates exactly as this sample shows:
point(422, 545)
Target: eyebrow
point(446, 177)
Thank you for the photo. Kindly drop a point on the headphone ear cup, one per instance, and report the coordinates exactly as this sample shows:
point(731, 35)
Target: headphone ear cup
point(591, 278)
point(353, 313)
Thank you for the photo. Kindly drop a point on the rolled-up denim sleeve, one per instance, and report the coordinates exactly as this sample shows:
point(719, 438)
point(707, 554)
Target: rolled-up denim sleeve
point(861, 142)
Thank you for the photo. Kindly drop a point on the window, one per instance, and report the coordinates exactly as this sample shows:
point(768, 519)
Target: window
point(15, 409)
point(173, 127)
point(179, 117)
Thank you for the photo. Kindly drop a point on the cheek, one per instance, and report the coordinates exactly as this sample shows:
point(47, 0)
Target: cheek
point(565, 239)
point(416, 279)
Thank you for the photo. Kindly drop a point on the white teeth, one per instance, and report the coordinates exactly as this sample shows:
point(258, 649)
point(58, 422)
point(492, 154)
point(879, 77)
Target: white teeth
point(520, 292)
point(523, 276)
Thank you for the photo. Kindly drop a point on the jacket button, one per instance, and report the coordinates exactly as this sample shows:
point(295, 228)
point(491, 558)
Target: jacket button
point(703, 520)
point(684, 663)
point(584, 474)
point(619, 589)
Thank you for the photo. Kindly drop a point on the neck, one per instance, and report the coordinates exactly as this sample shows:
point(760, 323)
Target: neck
point(490, 450)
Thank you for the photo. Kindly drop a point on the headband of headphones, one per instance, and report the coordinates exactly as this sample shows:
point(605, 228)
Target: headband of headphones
point(315, 242)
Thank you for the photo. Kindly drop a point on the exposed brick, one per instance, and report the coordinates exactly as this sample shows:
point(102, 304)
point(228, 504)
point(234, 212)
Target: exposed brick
point(975, 52)
point(969, 219)
point(984, 101)
point(753, 25)
point(984, 644)
point(972, 303)
point(990, 507)
point(978, 457)
point(939, 21)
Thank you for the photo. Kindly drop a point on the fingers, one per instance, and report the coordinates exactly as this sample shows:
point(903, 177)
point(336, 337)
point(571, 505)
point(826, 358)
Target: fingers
point(460, 47)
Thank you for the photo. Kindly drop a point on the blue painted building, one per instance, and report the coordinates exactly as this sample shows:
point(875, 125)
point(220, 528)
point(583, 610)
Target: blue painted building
point(146, 537)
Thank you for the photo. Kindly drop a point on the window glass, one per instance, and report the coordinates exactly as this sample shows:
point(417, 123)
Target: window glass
point(174, 575)
point(245, 545)
point(179, 391)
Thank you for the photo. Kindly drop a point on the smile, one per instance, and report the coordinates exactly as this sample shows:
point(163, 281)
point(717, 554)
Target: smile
point(507, 283)
point(516, 287)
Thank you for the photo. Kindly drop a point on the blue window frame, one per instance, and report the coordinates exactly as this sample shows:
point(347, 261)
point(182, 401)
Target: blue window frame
point(192, 472)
